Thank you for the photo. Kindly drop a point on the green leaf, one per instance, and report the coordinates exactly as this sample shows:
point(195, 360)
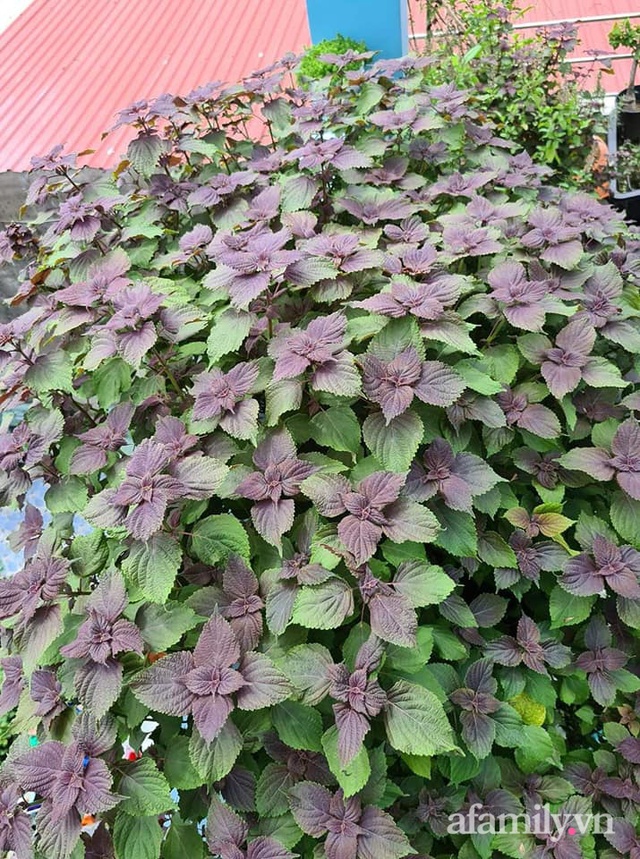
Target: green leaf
point(565, 609)
point(51, 372)
point(298, 726)
point(67, 496)
point(625, 515)
point(458, 534)
point(501, 362)
point(89, 553)
point(356, 774)
point(228, 333)
point(535, 749)
point(178, 766)
point(137, 837)
point(215, 760)
point(306, 667)
point(272, 790)
point(418, 764)
point(152, 566)
point(324, 606)
point(282, 397)
point(144, 788)
point(217, 537)
point(183, 839)
point(393, 445)
point(423, 584)
point(338, 428)
point(164, 625)
point(144, 151)
point(111, 379)
point(416, 722)
point(493, 550)
point(476, 379)
point(298, 192)
point(369, 95)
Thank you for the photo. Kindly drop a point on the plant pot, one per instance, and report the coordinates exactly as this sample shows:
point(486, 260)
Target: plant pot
point(381, 24)
point(625, 201)
point(628, 117)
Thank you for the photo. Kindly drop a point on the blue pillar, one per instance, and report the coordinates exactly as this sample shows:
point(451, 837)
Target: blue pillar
point(381, 24)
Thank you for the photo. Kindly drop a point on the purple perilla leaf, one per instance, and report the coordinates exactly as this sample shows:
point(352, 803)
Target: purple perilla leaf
point(16, 832)
point(422, 300)
point(275, 482)
point(472, 407)
point(146, 489)
point(374, 509)
point(37, 585)
point(524, 303)
point(359, 698)
point(623, 463)
point(227, 832)
point(457, 478)
point(394, 384)
point(320, 350)
point(533, 417)
point(391, 613)
point(105, 634)
point(371, 205)
point(205, 682)
point(528, 648)
point(344, 252)
point(615, 566)
point(546, 468)
point(477, 701)
point(67, 776)
point(237, 600)
point(96, 442)
point(46, 692)
point(557, 237)
point(351, 831)
point(105, 280)
point(224, 396)
point(13, 684)
point(600, 661)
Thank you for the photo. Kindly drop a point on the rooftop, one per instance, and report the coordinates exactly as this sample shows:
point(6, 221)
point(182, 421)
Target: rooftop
point(68, 66)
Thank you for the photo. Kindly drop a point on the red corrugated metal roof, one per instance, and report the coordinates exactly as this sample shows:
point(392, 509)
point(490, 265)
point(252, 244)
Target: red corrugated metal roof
point(68, 66)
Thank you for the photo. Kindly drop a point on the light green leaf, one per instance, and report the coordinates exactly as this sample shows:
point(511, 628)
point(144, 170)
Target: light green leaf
point(337, 428)
point(565, 609)
point(393, 445)
point(52, 371)
point(144, 788)
point(217, 537)
point(282, 397)
point(178, 766)
point(215, 760)
point(298, 726)
point(625, 516)
point(228, 333)
point(324, 606)
point(416, 722)
point(356, 774)
point(183, 840)
point(67, 496)
point(272, 790)
point(493, 550)
point(422, 583)
point(164, 625)
point(152, 566)
point(137, 837)
point(458, 534)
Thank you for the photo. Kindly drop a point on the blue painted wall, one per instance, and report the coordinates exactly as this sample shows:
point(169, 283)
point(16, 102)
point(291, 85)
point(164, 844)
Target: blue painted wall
point(381, 24)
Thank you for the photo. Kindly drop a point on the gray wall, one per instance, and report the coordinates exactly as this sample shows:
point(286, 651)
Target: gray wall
point(13, 188)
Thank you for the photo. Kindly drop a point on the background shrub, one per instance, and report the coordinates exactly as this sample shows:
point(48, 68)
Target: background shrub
point(312, 65)
point(521, 80)
point(351, 420)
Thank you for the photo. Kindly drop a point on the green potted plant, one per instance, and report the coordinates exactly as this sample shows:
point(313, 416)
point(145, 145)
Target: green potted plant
point(625, 35)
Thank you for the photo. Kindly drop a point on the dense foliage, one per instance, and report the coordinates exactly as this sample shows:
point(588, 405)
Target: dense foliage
point(351, 415)
point(521, 80)
point(316, 62)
